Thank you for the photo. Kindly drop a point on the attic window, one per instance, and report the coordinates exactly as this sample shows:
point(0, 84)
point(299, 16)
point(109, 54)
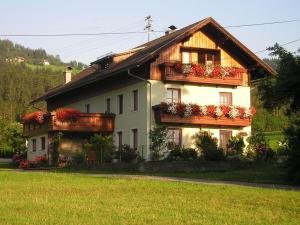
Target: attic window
point(209, 57)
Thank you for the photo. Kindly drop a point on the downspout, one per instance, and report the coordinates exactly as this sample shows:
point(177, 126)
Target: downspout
point(150, 93)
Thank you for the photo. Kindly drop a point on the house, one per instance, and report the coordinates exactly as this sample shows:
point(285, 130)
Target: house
point(19, 59)
point(126, 94)
point(45, 62)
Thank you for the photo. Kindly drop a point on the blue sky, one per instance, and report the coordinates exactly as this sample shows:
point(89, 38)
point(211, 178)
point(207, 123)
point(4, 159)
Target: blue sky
point(92, 16)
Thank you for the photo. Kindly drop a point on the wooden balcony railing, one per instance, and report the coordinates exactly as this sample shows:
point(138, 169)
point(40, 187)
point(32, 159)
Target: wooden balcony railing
point(161, 117)
point(185, 73)
point(87, 122)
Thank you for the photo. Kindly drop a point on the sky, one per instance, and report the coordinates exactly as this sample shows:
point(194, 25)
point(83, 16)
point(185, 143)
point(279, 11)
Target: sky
point(95, 16)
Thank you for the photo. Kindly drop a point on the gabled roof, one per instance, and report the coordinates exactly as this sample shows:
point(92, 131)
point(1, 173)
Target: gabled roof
point(150, 50)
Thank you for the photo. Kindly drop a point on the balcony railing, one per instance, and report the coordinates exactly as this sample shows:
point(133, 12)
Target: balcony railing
point(86, 122)
point(163, 117)
point(196, 73)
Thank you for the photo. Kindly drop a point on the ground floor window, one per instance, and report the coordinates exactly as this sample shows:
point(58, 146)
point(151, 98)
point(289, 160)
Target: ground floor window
point(134, 138)
point(43, 143)
point(175, 136)
point(33, 145)
point(120, 140)
point(225, 135)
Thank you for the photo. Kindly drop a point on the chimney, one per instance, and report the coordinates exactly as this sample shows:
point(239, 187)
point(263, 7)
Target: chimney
point(171, 29)
point(68, 75)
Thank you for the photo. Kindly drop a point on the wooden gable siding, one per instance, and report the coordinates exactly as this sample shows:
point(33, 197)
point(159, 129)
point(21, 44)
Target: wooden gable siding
point(198, 40)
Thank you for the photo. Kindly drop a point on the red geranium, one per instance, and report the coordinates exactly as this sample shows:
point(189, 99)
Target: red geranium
point(195, 109)
point(34, 117)
point(211, 110)
point(198, 70)
point(178, 67)
point(241, 111)
point(217, 71)
point(180, 109)
point(67, 114)
point(225, 109)
point(24, 164)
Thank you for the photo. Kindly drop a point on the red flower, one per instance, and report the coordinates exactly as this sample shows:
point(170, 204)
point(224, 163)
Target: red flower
point(67, 114)
point(180, 109)
point(241, 111)
point(178, 67)
point(195, 109)
point(24, 164)
point(253, 110)
point(225, 109)
point(34, 117)
point(217, 71)
point(211, 110)
point(198, 70)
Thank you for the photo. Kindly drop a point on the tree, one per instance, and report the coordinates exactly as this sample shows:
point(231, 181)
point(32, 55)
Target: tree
point(283, 89)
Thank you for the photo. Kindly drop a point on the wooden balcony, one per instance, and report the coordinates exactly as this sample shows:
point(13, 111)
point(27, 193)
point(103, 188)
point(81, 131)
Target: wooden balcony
point(161, 117)
point(169, 73)
point(87, 122)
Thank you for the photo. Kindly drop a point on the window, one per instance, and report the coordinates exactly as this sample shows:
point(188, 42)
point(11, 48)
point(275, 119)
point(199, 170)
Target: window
point(134, 138)
point(107, 105)
point(34, 145)
point(120, 104)
point(175, 136)
point(186, 57)
point(135, 100)
point(43, 143)
point(225, 135)
point(120, 139)
point(209, 57)
point(225, 98)
point(173, 95)
point(87, 108)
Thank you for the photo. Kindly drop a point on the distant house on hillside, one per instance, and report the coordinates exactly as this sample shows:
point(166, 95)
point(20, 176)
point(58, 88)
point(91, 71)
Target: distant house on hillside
point(19, 59)
point(195, 78)
point(46, 62)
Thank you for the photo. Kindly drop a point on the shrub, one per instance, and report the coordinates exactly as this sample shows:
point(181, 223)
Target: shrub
point(175, 153)
point(236, 146)
point(17, 158)
point(264, 153)
point(158, 144)
point(189, 154)
point(128, 154)
point(207, 145)
point(78, 159)
point(103, 146)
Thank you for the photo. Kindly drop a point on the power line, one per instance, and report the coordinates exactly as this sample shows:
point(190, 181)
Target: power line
point(134, 32)
point(261, 24)
point(284, 44)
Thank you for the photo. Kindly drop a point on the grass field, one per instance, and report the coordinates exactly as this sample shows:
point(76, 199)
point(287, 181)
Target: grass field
point(56, 198)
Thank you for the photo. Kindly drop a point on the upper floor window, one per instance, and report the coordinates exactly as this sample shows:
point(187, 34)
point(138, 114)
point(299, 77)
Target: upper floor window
point(34, 145)
point(87, 108)
point(107, 105)
point(135, 100)
point(173, 95)
point(43, 143)
point(186, 57)
point(120, 104)
point(225, 98)
point(209, 57)
point(175, 136)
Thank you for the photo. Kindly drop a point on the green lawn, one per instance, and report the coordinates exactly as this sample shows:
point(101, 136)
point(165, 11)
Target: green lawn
point(56, 198)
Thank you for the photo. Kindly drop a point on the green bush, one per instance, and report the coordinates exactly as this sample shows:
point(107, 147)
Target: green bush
point(128, 154)
point(78, 159)
point(158, 142)
point(207, 145)
point(236, 146)
point(179, 153)
point(103, 146)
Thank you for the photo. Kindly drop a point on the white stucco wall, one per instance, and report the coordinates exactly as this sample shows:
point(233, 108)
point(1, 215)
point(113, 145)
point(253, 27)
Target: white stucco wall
point(39, 152)
point(202, 95)
point(127, 121)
